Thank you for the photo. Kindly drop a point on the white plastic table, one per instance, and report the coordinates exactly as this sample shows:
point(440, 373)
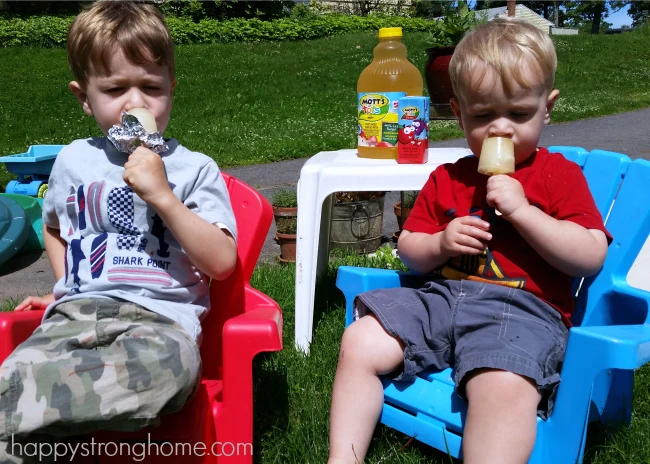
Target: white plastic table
point(340, 171)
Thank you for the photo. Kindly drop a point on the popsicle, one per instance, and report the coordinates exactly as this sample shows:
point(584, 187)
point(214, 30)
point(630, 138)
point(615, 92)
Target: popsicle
point(146, 119)
point(497, 156)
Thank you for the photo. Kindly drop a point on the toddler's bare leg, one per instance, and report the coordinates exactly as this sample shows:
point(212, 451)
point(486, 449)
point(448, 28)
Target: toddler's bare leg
point(367, 351)
point(501, 419)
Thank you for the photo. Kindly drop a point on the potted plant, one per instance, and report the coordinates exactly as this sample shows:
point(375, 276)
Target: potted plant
point(403, 208)
point(356, 221)
point(285, 212)
point(436, 70)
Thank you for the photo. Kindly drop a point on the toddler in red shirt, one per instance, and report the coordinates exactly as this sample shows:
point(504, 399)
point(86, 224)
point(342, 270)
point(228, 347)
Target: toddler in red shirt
point(499, 302)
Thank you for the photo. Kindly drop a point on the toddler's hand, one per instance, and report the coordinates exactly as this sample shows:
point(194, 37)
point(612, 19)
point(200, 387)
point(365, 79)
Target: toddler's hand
point(144, 172)
point(505, 194)
point(35, 302)
point(465, 236)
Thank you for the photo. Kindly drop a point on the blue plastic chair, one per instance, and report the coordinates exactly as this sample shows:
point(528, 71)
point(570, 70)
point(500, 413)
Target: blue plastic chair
point(610, 337)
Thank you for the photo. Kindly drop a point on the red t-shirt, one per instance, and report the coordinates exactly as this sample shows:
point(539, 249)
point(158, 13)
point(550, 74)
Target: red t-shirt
point(551, 182)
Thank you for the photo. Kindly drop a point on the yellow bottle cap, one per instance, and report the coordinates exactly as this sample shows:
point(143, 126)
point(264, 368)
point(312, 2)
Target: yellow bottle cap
point(386, 32)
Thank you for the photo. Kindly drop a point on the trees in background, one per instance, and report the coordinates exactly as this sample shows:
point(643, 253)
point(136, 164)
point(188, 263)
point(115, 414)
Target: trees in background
point(197, 10)
point(587, 15)
point(640, 12)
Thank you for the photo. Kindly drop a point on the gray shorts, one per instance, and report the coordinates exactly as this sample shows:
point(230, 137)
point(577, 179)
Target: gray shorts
point(471, 325)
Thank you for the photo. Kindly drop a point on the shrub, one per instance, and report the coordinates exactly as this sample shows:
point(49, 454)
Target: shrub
point(285, 198)
point(454, 27)
point(287, 226)
point(409, 198)
point(351, 197)
point(51, 31)
point(31, 8)
point(36, 31)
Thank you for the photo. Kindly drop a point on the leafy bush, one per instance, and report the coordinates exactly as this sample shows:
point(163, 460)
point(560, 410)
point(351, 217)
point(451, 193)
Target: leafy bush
point(192, 9)
point(51, 31)
point(454, 26)
point(351, 197)
point(30, 7)
point(285, 198)
point(287, 225)
point(383, 258)
point(226, 9)
point(36, 31)
point(409, 198)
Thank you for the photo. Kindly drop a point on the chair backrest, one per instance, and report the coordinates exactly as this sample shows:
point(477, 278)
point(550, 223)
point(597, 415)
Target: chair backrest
point(621, 189)
point(253, 214)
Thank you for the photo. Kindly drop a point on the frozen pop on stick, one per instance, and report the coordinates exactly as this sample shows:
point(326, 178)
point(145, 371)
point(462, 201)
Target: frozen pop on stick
point(146, 119)
point(138, 128)
point(497, 156)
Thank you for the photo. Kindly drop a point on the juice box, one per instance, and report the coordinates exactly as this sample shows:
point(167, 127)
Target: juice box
point(413, 130)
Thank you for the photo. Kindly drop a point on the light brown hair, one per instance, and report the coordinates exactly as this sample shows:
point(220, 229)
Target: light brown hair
point(505, 46)
point(137, 29)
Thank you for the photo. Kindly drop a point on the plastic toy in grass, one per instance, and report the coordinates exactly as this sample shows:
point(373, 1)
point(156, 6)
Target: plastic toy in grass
point(14, 228)
point(33, 169)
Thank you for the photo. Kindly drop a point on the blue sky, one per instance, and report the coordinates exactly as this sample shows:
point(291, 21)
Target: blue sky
point(620, 18)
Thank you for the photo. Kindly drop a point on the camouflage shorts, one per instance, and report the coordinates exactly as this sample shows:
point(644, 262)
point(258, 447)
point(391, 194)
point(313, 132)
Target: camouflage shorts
point(97, 364)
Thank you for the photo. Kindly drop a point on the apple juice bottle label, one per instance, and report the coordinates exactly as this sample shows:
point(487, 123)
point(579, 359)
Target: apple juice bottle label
point(378, 118)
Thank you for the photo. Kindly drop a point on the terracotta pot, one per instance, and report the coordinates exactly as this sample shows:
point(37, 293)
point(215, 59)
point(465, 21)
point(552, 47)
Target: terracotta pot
point(436, 71)
point(283, 215)
point(287, 244)
point(401, 214)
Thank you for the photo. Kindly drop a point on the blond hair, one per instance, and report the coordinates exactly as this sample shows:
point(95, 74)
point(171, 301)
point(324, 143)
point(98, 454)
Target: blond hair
point(505, 46)
point(137, 29)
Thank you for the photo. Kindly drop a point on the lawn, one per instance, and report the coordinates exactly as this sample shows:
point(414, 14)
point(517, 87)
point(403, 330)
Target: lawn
point(293, 392)
point(257, 103)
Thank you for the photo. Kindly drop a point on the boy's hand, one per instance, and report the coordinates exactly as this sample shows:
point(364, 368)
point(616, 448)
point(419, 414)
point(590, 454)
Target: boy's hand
point(35, 302)
point(505, 194)
point(465, 236)
point(144, 172)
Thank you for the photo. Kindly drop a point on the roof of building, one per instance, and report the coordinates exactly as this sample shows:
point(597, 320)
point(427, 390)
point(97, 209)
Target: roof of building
point(520, 10)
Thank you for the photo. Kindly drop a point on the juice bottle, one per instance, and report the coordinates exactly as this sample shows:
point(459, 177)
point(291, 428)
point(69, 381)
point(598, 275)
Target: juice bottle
point(389, 77)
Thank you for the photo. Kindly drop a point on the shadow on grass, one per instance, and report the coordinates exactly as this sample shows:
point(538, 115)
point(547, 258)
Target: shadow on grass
point(271, 399)
point(328, 297)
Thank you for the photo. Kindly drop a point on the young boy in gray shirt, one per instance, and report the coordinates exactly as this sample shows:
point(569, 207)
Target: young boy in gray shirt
point(133, 239)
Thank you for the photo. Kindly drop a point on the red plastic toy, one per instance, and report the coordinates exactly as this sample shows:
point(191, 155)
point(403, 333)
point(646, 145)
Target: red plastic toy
point(216, 426)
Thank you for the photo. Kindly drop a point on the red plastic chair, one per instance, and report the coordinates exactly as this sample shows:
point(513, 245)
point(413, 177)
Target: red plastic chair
point(216, 426)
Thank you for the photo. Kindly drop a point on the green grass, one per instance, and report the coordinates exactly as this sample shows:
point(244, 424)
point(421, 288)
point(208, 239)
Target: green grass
point(257, 103)
point(293, 392)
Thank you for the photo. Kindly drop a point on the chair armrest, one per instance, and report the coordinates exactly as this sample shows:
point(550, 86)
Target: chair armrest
point(258, 329)
point(355, 280)
point(635, 301)
point(609, 347)
point(15, 327)
point(244, 336)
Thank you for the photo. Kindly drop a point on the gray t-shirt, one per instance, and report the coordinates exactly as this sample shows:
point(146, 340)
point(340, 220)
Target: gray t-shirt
point(117, 246)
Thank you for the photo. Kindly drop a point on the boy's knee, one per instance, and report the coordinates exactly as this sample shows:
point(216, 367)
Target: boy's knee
point(501, 388)
point(365, 342)
point(358, 337)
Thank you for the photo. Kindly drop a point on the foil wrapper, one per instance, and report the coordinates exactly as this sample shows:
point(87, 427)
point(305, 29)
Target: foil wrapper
point(131, 135)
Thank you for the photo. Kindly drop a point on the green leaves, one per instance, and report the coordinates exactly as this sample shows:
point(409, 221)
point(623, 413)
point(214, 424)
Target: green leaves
point(453, 28)
point(51, 31)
